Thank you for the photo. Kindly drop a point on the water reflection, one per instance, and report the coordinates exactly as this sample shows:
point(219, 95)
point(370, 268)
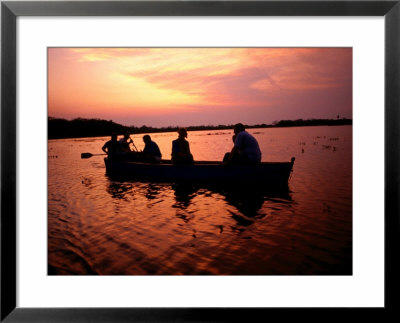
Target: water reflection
point(126, 227)
point(243, 203)
point(119, 190)
point(249, 202)
point(124, 190)
point(184, 193)
point(152, 191)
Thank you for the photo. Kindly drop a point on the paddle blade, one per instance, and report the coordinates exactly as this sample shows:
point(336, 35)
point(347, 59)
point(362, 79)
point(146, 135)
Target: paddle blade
point(86, 155)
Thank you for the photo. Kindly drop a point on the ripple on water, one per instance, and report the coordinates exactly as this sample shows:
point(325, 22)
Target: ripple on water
point(97, 225)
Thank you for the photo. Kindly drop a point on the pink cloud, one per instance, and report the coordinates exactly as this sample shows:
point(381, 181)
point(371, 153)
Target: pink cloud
point(291, 82)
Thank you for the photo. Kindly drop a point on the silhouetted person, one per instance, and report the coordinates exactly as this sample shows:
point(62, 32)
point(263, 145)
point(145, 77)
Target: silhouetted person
point(125, 141)
point(246, 149)
point(226, 156)
point(151, 151)
point(181, 150)
point(112, 147)
point(126, 152)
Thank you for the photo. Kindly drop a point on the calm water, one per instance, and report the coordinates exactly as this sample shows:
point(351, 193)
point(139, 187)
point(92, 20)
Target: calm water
point(100, 226)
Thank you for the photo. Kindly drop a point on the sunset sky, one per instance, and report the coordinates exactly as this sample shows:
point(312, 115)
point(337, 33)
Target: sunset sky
point(199, 86)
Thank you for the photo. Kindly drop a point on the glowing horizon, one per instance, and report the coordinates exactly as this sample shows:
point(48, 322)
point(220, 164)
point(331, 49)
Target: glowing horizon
point(199, 86)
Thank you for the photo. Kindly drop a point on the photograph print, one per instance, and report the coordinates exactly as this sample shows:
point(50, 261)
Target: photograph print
point(200, 161)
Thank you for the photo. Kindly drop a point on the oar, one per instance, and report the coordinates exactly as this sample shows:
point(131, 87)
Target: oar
point(137, 150)
point(88, 155)
point(131, 142)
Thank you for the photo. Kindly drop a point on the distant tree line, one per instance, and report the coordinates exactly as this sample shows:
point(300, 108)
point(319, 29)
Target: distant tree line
point(79, 128)
point(313, 122)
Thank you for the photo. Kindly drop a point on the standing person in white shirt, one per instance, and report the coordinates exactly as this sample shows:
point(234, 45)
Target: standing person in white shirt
point(246, 149)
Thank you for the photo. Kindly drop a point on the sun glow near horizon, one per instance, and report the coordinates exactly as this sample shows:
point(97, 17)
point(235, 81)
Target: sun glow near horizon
point(156, 86)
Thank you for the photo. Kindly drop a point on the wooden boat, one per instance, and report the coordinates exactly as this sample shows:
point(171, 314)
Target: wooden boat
point(207, 171)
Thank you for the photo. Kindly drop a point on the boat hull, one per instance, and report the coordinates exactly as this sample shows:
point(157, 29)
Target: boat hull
point(271, 172)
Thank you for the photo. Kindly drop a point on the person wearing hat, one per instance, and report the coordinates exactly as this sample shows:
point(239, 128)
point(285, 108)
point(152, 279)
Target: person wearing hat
point(181, 150)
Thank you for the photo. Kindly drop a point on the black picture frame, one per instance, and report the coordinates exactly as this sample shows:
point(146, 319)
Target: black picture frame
point(11, 10)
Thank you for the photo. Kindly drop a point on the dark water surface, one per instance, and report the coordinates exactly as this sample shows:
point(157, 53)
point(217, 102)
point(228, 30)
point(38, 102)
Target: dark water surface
point(100, 226)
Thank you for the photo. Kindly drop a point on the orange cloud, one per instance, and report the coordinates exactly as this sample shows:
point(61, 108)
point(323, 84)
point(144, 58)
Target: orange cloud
point(140, 81)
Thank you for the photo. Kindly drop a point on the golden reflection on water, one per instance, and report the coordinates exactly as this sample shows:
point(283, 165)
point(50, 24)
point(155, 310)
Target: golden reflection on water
point(102, 226)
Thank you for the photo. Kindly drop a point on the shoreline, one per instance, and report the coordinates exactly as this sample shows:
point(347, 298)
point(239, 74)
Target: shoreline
point(200, 128)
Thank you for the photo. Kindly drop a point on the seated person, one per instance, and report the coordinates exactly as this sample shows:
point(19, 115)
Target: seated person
point(181, 150)
point(112, 147)
point(125, 141)
point(126, 152)
point(226, 156)
point(151, 152)
point(246, 149)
